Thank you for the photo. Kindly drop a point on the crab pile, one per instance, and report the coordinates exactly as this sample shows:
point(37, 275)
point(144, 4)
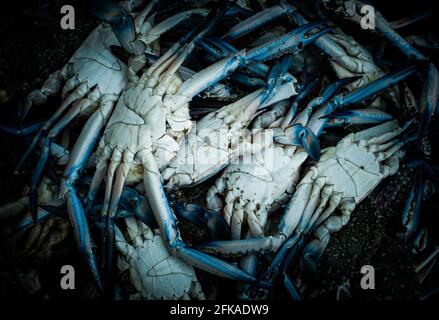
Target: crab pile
point(260, 125)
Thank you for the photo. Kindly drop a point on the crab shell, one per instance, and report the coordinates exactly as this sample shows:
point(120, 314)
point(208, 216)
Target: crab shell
point(156, 274)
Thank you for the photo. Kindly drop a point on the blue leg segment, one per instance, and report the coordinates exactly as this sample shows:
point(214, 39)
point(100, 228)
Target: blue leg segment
point(335, 88)
point(217, 266)
point(291, 288)
point(28, 221)
point(357, 116)
point(108, 247)
point(276, 73)
point(81, 230)
point(380, 85)
point(291, 42)
point(389, 33)
point(29, 150)
point(212, 46)
point(196, 33)
point(255, 21)
point(215, 223)
point(30, 129)
point(168, 225)
point(36, 179)
point(429, 100)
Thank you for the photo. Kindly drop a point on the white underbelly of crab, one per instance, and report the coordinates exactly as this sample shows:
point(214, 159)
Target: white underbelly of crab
point(218, 139)
point(154, 273)
point(140, 122)
point(95, 64)
point(259, 184)
point(353, 169)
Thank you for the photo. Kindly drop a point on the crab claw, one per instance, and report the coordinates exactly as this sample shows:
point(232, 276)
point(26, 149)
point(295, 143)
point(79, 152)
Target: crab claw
point(380, 85)
point(275, 76)
point(357, 116)
point(335, 87)
point(138, 204)
point(291, 42)
point(257, 20)
point(305, 90)
point(215, 223)
point(121, 22)
point(298, 135)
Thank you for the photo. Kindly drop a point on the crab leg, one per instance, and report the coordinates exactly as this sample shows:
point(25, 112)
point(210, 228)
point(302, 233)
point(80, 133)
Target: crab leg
point(167, 223)
point(290, 221)
point(152, 179)
point(213, 156)
point(389, 33)
point(292, 42)
point(50, 87)
point(320, 119)
point(430, 93)
point(357, 116)
point(163, 70)
point(79, 156)
point(257, 20)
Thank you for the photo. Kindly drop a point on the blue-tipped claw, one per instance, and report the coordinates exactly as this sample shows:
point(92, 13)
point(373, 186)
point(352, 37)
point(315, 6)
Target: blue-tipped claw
point(136, 203)
point(276, 73)
point(291, 42)
point(336, 86)
point(298, 135)
point(121, 22)
point(358, 116)
point(306, 90)
point(380, 85)
point(215, 223)
point(256, 20)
